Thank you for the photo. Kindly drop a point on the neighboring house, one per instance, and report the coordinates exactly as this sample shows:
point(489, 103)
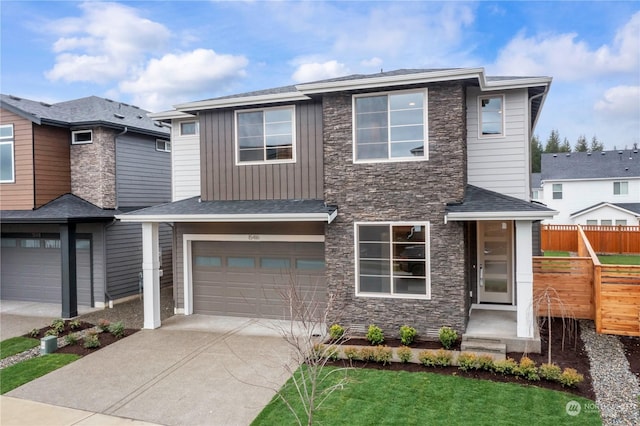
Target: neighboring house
point(397, 198)
point(67, 170)
point(591, 188)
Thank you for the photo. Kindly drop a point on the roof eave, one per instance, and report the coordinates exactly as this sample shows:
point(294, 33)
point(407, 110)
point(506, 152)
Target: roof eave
point(253, 217)
point(169, 115)
point(506, 215)
point(242, 101)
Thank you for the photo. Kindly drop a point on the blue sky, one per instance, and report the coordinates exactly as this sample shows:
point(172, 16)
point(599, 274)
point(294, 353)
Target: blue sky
point(156, 54)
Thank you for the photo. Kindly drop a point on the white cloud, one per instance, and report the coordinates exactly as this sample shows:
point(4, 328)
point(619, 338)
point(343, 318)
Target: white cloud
point(107, 42)
point(319, 71)
point(566, 57)
point(620, 102)
point(180, 77)
point(374, 62)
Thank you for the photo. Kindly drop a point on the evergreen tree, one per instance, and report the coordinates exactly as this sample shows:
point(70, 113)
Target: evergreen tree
point(565, 146)
point(553, 142)
point(536, 153)
point(582, 145)
point(596, 145)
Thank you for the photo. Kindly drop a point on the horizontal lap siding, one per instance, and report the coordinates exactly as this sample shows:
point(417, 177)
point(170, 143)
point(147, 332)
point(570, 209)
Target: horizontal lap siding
point(53, 168)
point(185, 158)
point(620, 300)
point(223, 180)
point(19, 195)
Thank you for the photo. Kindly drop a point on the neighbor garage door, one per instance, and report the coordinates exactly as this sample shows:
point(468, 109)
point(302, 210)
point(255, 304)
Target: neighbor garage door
point(32, 270)
point(251, 279)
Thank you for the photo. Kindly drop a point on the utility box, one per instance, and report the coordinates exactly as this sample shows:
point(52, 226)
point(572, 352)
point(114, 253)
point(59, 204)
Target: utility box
point(48, 345)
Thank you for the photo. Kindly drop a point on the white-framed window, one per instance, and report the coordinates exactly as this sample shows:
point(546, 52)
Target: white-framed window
point(592, 221)
point(491, 116)
point(621, 222)
point(557, 191)
point(79, 137)
point(390, 127)
point(392, 259)
point(189, 128)
point(7, 164)
point(265, 136)
point(606, 222)
point(535, 194)
point(620, 188)
point(163, 145)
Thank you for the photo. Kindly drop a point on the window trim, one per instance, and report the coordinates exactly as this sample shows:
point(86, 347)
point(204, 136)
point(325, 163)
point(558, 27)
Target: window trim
point(502, 133)
point(77, 132)
point(294, 144)
point(561, 192)
point(197, 128)
point(621, 183)
point(354, 131)
point(10, 140)
point(427, 237)
point(166, 144)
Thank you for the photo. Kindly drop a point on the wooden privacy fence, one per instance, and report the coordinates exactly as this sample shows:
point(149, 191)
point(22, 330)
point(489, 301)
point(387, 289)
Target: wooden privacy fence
point(581, 287)
point(603, 239)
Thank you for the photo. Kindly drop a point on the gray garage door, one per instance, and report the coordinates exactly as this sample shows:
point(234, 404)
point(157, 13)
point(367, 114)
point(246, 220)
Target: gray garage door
point(32, 271)
point(250, 279)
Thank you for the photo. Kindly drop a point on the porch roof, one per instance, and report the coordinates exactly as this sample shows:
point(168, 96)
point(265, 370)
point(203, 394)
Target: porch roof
point(195, 210)
point(67, 208)
point(483, 204)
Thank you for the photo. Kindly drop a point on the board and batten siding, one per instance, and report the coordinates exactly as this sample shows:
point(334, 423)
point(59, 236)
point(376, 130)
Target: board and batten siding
point(19, 195)
point(500, 164)
point(98, 257)
point(222, 179)
point(185, 163)
point(143, 175)
point(52, 164)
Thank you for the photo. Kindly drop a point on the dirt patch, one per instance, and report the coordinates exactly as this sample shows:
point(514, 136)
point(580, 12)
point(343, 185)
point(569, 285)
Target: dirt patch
point(105, 339)
point(631, 348)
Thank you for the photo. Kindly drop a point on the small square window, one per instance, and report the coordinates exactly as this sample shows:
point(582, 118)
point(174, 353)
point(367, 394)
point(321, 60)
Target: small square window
point(79, 137)
point(557, 191)
point(620, 188)
point(189, 128)
point(163, 146)
point(491, 116)
point(621, 222)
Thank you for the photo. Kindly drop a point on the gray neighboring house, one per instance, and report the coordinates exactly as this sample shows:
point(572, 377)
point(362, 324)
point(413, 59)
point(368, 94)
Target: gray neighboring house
point(67, 170)
point(398, 198)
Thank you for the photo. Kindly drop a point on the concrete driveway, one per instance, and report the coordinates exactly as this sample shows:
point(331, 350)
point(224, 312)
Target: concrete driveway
point(195, 370)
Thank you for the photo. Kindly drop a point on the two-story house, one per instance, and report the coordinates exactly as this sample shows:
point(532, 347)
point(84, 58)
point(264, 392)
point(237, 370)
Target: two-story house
point(66, 170)
point(398, 198)
point(591, 188)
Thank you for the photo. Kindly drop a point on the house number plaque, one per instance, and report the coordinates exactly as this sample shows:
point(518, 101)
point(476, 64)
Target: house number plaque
point(254, 237)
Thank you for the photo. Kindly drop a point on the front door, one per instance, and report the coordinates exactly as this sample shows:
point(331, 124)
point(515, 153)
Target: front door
point(495, 260)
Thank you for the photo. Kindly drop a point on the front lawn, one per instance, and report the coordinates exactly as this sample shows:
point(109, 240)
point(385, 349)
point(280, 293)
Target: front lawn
point(619, 259)
point(399, 397)
point(555, 253)
point(26, 371)
point(16, 345)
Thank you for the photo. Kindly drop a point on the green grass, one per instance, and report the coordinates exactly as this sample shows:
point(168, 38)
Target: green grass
point(26, 371)
point(554, 253)
point(403, 398)
point(15, 345)
point(619, 259)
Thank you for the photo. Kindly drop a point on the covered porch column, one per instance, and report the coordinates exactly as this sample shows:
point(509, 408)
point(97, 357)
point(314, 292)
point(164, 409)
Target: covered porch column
point(151, 274)
point(524, 279)
point(69, 274)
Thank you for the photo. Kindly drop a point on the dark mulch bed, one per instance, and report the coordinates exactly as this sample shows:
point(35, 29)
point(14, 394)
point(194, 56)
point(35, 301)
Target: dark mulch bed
point(83, 325)
point(395, 343)
point(573, 355)
point(631, 346)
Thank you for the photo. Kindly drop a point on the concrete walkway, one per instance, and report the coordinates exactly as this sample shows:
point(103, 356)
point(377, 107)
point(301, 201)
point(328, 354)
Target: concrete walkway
point(195, 370)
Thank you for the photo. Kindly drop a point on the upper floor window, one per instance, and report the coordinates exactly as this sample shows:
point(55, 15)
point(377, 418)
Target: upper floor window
point(620, 188)
point(390, 127)
point(7, 166)
point(81, 136)
point(557, 191)
point(491, 116)
point(265, 136)
point(535, 194)
point(392, 259)
point(163, 145)
point(189, 128)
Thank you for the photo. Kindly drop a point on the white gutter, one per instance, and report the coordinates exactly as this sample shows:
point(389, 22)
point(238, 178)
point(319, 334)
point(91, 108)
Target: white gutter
point(467, 216)
point(242, 101)
point(271, 217)
point(168, 115)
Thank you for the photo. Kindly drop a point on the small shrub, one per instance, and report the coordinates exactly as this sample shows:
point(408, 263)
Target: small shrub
point(570, 377)
point(485, 362)
point(75, 324)
point(352, 353)
point(467, 361)
point(407, 334)
point(527, 369)
point(367, 354)
point(71, 339)
point(34, 332)
point(332, 353)
point(336, 331)
point(91, 341)
point(404, 353)
point(443, 358)
point(103, 325)
point(506, 366)
point(117, 329)
point(51, 332)
point(448, 337)
point(58, 325)
point(427, 358)
point(375, 335)
point(550, 372)
point(383, 354)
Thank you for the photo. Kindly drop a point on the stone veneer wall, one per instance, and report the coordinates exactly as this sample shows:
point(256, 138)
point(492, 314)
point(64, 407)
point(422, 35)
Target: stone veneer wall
point(402, 191)
point(93, 169)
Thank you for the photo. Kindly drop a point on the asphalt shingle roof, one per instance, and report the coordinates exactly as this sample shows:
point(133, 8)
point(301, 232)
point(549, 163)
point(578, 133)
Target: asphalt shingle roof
point(582, 165)
point(632, 207)
point(66, 208)
point(480, 200)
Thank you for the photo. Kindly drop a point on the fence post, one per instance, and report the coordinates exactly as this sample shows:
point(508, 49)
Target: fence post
point(597, 289)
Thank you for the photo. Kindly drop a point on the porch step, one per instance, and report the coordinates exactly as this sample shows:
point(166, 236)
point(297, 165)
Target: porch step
point(480, 344)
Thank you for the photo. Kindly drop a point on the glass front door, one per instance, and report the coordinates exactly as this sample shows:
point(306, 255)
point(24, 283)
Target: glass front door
point(495, 262)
